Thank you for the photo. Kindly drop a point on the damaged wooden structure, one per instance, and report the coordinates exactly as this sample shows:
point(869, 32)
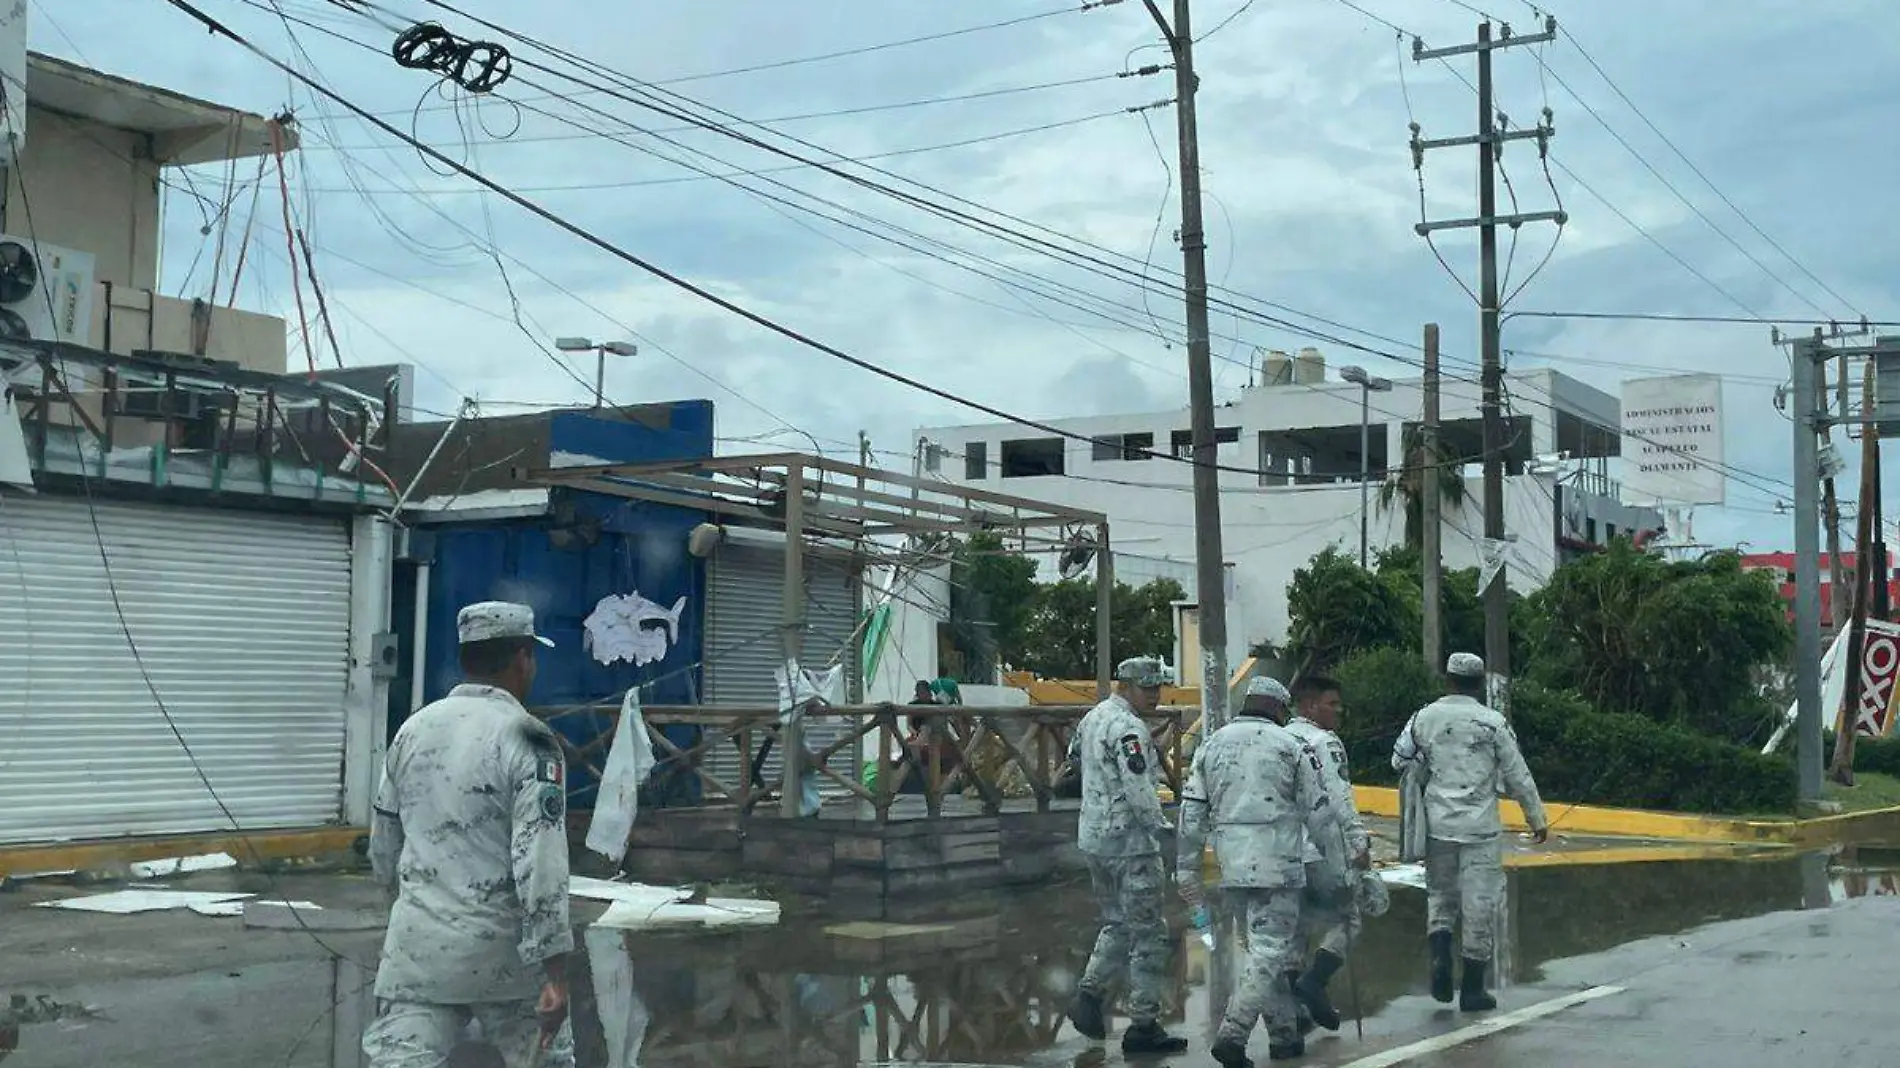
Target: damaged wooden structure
point(981, 810)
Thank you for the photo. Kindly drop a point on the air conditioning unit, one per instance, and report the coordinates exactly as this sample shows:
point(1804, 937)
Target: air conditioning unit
point(45, 292)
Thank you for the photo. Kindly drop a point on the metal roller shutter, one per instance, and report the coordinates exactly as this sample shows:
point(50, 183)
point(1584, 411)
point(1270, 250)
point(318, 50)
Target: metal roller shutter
point(242, 620)
point(747, 585)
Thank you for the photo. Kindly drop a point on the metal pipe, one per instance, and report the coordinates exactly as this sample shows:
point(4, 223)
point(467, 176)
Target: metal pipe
point(429, 461)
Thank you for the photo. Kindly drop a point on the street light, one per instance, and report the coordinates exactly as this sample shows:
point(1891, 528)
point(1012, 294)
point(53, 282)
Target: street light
point(1368, 385)
point(600, 351)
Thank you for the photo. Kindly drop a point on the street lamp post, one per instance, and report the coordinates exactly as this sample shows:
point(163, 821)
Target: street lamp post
point(600, 351)
point(1368, 385)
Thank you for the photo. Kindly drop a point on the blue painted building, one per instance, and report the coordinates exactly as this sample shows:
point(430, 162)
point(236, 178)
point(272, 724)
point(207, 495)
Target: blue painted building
point(476, 533)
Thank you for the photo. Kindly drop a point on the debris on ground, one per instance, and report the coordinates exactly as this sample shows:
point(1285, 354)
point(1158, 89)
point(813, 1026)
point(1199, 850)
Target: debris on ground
point(637, 906)
point(127, 902)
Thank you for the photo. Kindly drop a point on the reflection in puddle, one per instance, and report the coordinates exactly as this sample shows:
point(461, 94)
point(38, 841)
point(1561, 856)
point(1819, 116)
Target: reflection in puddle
point(988, 985)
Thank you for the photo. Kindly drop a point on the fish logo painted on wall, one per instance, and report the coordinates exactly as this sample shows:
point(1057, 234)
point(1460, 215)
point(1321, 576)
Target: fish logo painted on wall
point(631, 628)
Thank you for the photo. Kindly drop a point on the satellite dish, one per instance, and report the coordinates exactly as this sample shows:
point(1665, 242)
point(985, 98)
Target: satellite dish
point(1075, 560)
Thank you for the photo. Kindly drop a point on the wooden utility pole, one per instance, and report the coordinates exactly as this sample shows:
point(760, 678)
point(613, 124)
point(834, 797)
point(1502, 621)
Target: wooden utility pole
point(1433, 562)
point(1838, 606)
point(1209, 559)
point(1490, 142)
point(792, 638)
point(1842, 770)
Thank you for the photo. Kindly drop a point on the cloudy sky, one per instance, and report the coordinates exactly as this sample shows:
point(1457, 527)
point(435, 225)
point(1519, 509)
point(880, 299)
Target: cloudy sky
point(1311, 196)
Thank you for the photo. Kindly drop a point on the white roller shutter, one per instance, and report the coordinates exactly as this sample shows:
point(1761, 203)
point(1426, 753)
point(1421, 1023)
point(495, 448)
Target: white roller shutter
point(747, 584)
point(242, 620)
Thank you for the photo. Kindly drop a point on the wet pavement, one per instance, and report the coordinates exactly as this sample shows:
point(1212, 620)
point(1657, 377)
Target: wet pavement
point(1707, 962)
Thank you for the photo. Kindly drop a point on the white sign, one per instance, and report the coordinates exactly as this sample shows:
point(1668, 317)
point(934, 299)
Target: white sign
point(1672, 441)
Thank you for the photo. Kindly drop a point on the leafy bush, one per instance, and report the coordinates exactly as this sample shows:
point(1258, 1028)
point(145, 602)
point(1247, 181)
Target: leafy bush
point(1629, 761)
point(1381, 688)
point(1878, 755)
point(1336, 608)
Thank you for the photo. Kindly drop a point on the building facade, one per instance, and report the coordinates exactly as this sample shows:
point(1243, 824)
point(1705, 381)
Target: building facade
point(1291, 478)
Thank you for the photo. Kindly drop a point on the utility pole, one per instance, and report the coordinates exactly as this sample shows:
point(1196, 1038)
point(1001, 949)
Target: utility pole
point(1434, 595)
point(1490, 142)
point(1808, 374)
point(1831, 515)
point(1209, 559)
point(1864, 572)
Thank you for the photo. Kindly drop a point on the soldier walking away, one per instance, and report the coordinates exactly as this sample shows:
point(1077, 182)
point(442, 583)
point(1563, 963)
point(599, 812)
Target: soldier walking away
point(1262, 795)
point(1466, 756)
point(1120, 832)
point(470, 835)
point(1332, 919)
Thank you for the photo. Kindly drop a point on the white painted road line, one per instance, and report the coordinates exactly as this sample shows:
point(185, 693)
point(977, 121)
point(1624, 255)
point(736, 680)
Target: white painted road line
point(1491, 1026)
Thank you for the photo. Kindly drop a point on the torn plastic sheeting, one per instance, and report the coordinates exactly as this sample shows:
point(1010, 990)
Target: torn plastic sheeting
point(629, 627)
point(127, 902)
point(639, 906)
point(155, 869)
point(629, 764)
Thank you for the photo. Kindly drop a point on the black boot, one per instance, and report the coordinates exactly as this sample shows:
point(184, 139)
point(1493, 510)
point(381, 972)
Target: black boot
point(1085, 1012)
point(1441, 966)
point(1302, 1017)
point(1473, 998)
point(1231, 1054)
point(1149, 1039)
point(1310, 990)
point(1286, 1051)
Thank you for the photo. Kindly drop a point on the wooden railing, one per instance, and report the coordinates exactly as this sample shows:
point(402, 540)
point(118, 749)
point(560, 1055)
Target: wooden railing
point(988, 754)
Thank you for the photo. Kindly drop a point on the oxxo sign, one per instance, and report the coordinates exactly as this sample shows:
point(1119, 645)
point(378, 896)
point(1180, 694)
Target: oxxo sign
point(1879, 670)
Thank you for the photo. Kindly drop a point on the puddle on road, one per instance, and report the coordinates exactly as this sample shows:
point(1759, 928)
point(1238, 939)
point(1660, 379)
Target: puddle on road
point(987, 986)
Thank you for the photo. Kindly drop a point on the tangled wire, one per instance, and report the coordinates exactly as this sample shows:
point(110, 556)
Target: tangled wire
point(477, 66)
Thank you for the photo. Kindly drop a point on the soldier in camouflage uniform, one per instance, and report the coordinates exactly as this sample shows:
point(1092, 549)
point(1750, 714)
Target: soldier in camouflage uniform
point(1331, 918)
point(470, 835)
point(1120, 832)
point(1260, 793)
point(1468, 757)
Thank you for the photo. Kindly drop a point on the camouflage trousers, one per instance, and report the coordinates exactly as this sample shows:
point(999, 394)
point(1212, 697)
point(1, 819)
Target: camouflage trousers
point(1133, 942)
point(1273, 923)
point(1465, 880)
point(409, 1034)
point(1330, 919)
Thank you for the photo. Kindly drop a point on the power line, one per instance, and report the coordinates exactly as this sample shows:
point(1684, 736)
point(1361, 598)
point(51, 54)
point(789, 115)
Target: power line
point(1660, 317)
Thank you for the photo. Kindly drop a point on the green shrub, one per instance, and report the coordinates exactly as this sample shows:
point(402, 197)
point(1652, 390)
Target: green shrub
point(1878, 755)
point(1629, 761)
point(1381, 688)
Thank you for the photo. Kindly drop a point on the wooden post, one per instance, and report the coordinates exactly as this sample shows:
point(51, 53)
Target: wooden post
point(1429, 505)
point(791, 634)
point(1843, 770)
point(1104, 613)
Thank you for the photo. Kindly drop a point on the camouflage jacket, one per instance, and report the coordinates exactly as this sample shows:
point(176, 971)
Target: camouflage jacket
point(1262, 796)
point(1121, 811)
point(1338, 776)
point(1469, 756)
point(470, 834)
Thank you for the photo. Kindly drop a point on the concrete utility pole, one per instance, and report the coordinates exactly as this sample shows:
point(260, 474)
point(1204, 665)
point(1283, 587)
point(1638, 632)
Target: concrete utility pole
point(1209, 559)
point(1809, 370)
point(1490, 143)
point(1433, 565)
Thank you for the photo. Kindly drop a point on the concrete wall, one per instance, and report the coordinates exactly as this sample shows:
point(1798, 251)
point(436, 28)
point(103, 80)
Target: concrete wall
point(92, 188)
point(126, 319)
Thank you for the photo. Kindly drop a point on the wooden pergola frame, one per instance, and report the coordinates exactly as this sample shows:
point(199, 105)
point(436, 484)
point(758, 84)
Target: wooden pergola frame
point(804, 495)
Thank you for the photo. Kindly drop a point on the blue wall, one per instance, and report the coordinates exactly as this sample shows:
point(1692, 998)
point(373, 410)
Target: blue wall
point(547, 563)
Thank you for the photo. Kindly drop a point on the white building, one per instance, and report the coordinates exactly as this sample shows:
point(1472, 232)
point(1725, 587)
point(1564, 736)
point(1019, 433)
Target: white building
point(1294, 445)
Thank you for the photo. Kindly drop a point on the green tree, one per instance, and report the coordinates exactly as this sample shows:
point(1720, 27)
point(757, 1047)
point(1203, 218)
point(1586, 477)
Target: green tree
point(1059, 639)
point(1406, 486)
point(1680, 643)
point(992, 596)
point(1336, 608)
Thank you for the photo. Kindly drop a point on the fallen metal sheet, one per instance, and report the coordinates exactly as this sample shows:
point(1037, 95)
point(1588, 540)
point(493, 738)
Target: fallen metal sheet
point(127, 902)
point(1412, 875)
point(238, 907)
point(713, 912)
point(158, 869)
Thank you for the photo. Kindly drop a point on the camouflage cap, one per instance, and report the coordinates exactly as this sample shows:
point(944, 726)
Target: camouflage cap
point(1465, 665)
point(488, 620)
point(1143, 671)
point(1266, 686)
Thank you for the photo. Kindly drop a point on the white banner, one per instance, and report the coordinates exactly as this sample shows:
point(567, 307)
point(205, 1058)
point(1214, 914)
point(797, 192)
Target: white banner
point(1672, 441)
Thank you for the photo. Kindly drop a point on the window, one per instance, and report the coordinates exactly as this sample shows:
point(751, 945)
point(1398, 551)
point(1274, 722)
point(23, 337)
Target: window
point(1590, 531)
point(1032, 457)
point(976, 461)
point(1181, 442)
point(1123, 447)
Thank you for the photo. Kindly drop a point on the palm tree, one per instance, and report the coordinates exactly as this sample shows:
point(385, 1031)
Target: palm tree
point(1407, 484)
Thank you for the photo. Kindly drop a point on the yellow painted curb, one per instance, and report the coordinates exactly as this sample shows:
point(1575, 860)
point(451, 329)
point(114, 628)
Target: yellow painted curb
point(246, 848)
point(1637, 823)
